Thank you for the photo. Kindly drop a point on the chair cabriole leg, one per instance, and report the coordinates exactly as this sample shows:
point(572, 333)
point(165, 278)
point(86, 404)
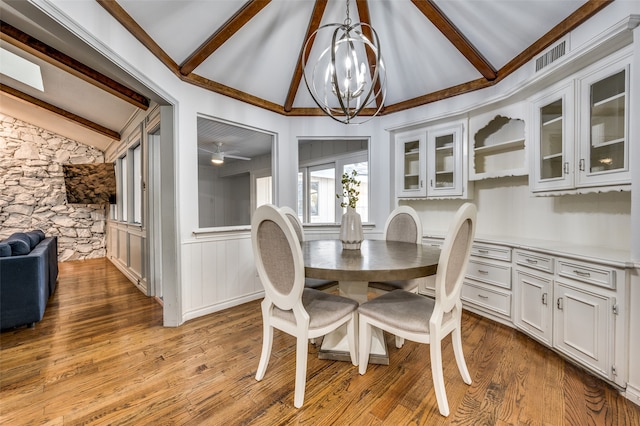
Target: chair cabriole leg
point(436, 372)
point(456, 338)
point(267, 343)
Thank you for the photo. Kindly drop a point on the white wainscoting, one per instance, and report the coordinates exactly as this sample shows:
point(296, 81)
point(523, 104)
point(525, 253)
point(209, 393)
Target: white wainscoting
point(218, 272)
point(126, 250)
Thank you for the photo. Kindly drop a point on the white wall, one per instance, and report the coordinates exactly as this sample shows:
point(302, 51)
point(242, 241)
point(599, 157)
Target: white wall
point(507, 208)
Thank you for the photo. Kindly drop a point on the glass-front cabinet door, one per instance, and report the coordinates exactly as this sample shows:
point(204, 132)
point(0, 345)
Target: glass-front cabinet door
point(604, 143)
point(410, 164)
point(444, 161)
point(553, 157)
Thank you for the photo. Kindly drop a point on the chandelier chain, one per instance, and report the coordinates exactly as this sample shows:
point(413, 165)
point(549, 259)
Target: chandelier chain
point(347, 21)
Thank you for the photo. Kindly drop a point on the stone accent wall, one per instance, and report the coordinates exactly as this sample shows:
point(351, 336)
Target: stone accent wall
point(32, 193)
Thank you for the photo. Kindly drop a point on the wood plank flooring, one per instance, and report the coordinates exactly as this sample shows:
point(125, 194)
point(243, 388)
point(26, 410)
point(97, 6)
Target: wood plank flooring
point(101, 356)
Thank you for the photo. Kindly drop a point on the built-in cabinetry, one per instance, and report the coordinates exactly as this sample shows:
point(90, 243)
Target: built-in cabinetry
point(487, 284)
point(574, 307)
point(533, 294)
point(498, 142)
point(579, 131)
point(604, 143)
point(445, 146)
point(553, 141)
point(431, 162)
point(411, 164)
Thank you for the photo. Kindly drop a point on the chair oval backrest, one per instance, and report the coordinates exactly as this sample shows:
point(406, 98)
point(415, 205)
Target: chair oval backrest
point(278, 256)
point(454, 257)
point(403, 224)
point(290, 214)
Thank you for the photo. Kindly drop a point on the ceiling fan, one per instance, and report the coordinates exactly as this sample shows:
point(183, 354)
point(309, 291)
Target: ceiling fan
point(218, 156)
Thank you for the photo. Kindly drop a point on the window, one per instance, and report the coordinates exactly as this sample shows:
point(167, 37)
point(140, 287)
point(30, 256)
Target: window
point(362, 168)
point(239, 180)
point(123, 204)
point(320, 175)
point(137, 183)
point(322, 194)
point(129, 181)
point(264, 190)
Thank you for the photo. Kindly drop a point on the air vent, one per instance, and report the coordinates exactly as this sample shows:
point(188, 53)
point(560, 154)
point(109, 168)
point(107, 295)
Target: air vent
point(551, 56)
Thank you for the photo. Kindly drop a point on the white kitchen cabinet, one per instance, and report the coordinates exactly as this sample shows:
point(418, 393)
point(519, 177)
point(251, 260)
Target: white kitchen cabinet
point(580, 132)
point(533, 295)
point(487, 284)
point(427, 285)
point(411, 164)
point(553, 121)
point(533, 310)
point(583, 327)
point(431, 162)
point(446, 168)
point(604, 117)
point(571, 306)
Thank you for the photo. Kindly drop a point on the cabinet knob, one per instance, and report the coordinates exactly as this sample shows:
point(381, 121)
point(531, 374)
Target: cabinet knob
point(566, 168)
point(559, 303)
point(582, 164)
point(544, 298)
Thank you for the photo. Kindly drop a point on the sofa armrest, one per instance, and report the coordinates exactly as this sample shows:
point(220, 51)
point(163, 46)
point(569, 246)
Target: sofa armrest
point(23, 289)
point(50, 246)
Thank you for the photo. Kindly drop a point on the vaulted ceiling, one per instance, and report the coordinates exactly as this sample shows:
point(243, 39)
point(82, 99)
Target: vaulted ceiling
point(251, 51)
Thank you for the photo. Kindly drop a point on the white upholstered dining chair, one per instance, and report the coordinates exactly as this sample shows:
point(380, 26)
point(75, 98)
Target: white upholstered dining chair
point(288, 306)
point(403, 224)
point(424, 320)
point(316, 283)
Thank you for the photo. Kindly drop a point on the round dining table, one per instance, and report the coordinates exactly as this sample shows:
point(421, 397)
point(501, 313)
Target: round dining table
point(376, 260)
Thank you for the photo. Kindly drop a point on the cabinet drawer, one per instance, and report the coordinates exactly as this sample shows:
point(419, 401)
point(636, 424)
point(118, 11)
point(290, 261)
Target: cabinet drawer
point(491, 299)
point(433, 242)
point(491, 252)
point(534, 260)
point(427, 285)
point(490, 273)
point(588, 273)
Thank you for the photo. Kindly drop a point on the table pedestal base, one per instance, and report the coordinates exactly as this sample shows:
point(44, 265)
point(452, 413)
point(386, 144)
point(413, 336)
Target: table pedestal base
point(335, 345)
point(336, 348)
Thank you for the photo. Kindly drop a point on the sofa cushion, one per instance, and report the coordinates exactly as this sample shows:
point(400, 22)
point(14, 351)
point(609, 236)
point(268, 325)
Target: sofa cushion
point(20, 244)
point(5, 249)
point(34, 238)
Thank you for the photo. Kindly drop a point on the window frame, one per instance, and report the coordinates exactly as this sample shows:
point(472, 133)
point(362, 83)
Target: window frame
point(130, 190)
point(338, 162)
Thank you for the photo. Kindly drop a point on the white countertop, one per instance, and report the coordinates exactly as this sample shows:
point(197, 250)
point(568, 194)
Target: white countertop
point(613, 257)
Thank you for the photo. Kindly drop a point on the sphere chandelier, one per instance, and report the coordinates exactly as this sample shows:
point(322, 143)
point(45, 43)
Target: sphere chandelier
point(340, 82)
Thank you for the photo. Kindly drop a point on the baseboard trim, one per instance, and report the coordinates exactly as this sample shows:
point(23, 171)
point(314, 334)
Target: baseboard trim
point(632, 393)
point(221, 306)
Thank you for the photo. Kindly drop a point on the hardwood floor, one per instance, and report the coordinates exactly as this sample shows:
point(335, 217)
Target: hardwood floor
point(101, 356)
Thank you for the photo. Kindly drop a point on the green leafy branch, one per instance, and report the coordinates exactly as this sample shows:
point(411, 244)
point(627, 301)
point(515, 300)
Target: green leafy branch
point(350, 191)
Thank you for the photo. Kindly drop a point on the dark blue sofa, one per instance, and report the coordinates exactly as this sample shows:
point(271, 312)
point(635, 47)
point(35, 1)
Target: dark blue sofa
point(28, 276)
